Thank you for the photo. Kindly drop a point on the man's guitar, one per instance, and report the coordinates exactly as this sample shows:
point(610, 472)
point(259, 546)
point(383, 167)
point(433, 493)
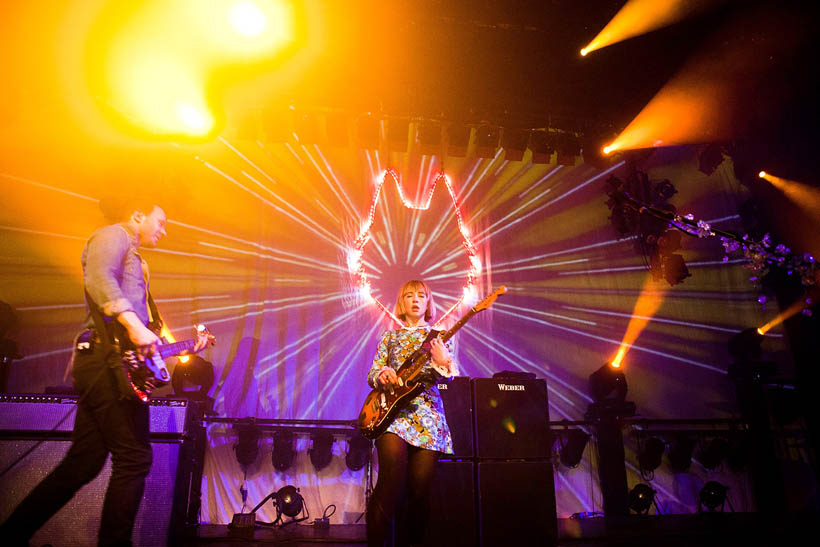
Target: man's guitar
point(382, 404)
point(146, 373)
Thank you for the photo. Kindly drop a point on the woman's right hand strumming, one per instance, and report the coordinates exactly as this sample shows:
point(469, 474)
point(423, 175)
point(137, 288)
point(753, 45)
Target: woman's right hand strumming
point(387, 377)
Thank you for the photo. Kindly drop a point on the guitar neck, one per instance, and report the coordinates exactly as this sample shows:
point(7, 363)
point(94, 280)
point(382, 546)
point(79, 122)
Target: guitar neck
point(460, 323)
point(175, 348)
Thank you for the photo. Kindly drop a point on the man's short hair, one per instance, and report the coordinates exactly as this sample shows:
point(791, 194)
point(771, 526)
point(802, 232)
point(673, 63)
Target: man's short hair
point(120, 208)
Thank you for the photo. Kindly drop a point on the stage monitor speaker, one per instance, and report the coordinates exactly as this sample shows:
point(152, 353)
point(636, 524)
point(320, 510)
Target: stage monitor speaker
point(34, 412)
point(511, 418)
point(452, 509)
point(458, 407)
point(516, 504)
point(167, 503)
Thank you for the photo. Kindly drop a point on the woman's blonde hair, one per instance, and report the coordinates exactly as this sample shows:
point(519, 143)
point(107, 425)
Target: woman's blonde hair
point(414, 285)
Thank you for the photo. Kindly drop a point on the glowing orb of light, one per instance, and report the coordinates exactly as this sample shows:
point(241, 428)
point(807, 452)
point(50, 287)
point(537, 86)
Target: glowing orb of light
point(762, 174)
point(247, 19)
point(196, 121)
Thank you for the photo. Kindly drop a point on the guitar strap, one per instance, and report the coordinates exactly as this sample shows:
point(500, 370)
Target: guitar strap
point(111, 354)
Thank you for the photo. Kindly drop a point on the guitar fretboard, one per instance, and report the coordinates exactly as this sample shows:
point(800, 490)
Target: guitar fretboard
point(175, 348)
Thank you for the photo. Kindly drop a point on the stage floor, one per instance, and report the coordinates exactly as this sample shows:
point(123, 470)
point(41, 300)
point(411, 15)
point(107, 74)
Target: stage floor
point(715, 529)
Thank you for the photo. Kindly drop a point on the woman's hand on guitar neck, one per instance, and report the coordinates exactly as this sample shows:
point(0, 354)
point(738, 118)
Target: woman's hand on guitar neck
point(440, 355)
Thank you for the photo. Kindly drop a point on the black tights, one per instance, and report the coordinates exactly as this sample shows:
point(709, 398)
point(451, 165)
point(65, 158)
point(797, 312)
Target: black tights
point(401, 466)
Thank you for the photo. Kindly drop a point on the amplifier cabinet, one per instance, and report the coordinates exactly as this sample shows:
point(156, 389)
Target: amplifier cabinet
point(516, 504)
point(33, 412)
point(458, 408)
point(171, 488)
point(452, 509)
point(511, 418)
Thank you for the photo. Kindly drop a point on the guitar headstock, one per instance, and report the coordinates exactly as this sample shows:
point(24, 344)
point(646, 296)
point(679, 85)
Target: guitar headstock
point(488, 300)
point(203, 334)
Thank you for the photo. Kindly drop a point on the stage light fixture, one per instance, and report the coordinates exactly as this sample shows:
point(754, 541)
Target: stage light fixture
point(358, 452)
point(397, 135)
point(608, 383)
point(306, 127)
point(542, 146)
point(336, 127)
point(640, 498)
point(515, 143)
point(428, 138)
point(487, 137)
point(287, 501)
point(283, 452)
point(672, 268)
point(196, 373)
point(277, 124)
point(680, 454)
point(712, 496)
point(745, 345)
point(569, 148)
point(458, 140)
point(247, 445)
point(712, 454)
point(572, 450)
point(651, 454)
point(710, 158)
point(368, 132)
point(321, 449)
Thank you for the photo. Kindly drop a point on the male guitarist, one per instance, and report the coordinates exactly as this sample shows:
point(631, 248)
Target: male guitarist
point(107, 421)
point(411, 445)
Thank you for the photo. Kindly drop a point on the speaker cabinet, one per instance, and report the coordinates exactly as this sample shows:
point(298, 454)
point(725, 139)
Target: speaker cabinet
point(78, 521)
point(516, 504)
point(55, 413)
point(452, 509)
point(511, 418)
point(458, 408)
point(168, 502)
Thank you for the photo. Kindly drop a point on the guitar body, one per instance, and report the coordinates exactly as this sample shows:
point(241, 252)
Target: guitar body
point(139, 375)
point(144, 376)
point(382, 404)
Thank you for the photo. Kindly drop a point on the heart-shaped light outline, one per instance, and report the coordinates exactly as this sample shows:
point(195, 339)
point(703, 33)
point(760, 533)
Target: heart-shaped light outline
point(356, 265)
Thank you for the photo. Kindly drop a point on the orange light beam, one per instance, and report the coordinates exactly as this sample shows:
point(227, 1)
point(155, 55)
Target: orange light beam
point(645, 307)
point(804, 196)
point(638, 17)
point(703, 102)
point(791, 311)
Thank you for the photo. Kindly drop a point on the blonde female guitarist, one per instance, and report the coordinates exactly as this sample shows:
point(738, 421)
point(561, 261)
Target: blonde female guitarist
point(410, 446)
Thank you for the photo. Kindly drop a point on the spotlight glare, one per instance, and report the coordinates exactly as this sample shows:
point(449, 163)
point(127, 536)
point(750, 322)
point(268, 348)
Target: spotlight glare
point(193, 119)
point(247, 19)
point(608, 149)
point(762, 174)
point(760, 331)
point(584, 52)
